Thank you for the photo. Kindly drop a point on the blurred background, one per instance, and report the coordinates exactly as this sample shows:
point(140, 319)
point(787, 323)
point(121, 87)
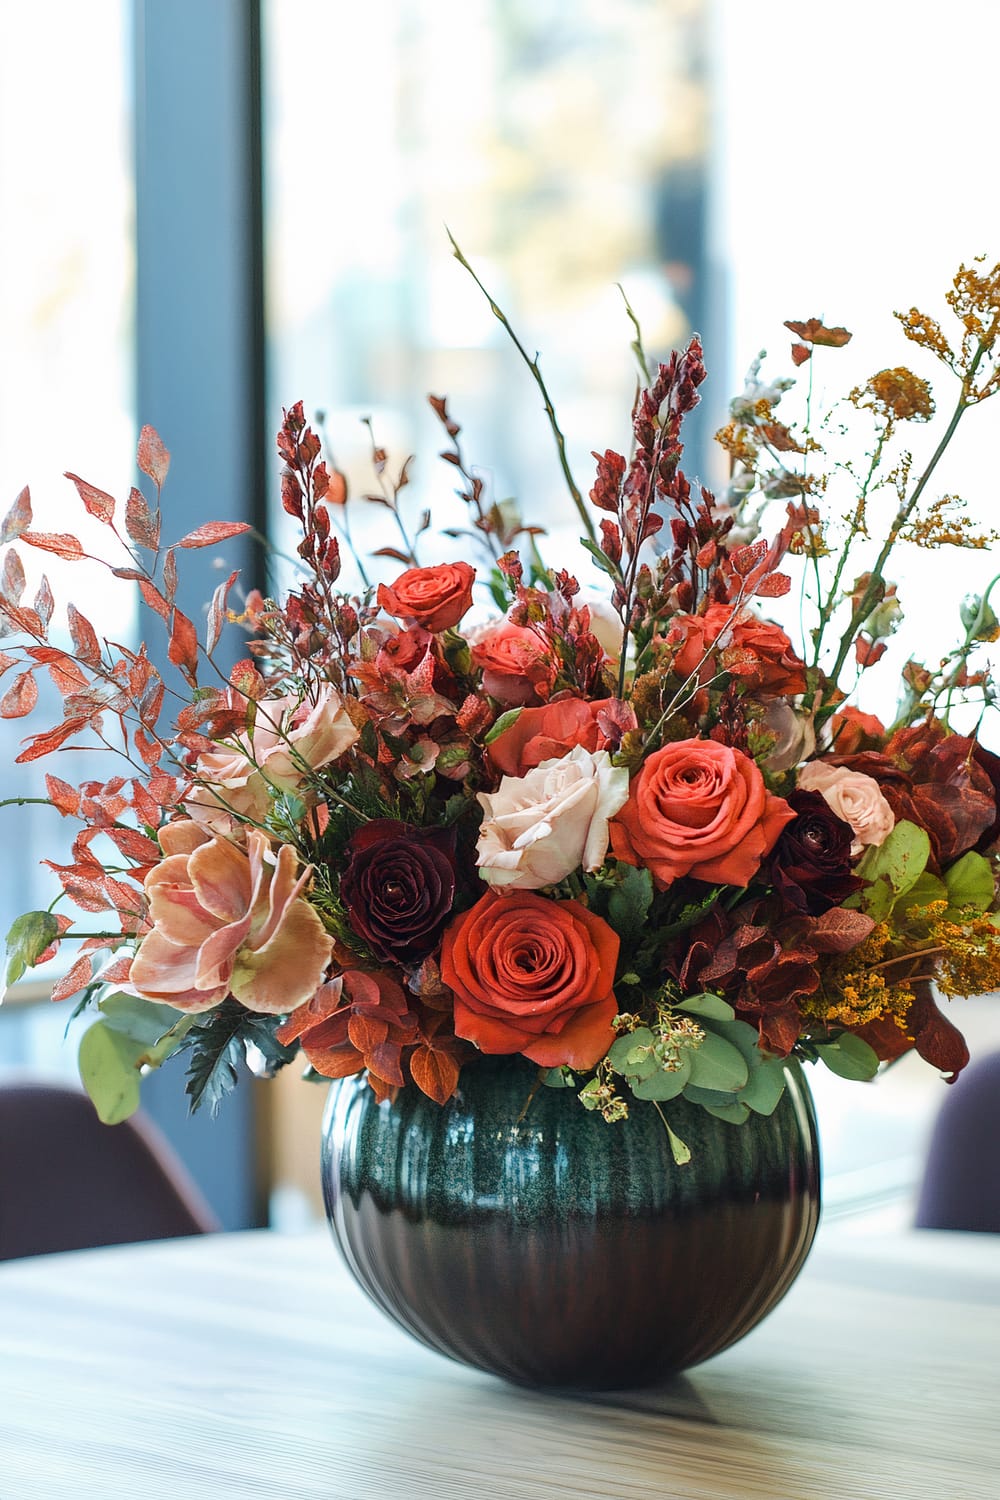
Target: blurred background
point(213, 208)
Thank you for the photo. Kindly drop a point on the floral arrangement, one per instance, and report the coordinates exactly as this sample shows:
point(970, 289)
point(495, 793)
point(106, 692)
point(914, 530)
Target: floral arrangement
point(640, 837)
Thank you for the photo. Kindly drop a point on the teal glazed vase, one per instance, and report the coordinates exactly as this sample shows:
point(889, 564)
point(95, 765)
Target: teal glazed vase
point(519, 1233)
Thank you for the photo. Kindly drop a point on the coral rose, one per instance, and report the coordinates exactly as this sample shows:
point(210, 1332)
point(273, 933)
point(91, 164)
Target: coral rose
point(540, 827)
point(517, 666)
point(434, 598)
point(539, 734)
point(701, 809)
point(227, 922)
point(768, 663)
point(289, 738)
point(533, 976)
point(854, 797)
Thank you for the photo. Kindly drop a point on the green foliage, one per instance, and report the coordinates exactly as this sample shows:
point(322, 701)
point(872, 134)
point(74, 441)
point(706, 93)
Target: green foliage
point(557, 1078)
point(848, 1056)
point(712, 1007)
point(629, 903)
point(27, 940)
point(218, 1041)
point(969, 883)
point(131, 1037)
point(505, 721)
point(900, 861)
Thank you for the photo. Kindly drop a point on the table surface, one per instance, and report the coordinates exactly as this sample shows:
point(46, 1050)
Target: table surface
point(250, 1366)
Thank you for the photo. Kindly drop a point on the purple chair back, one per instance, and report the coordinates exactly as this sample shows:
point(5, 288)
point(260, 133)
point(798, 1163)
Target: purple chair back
point(961, 1184)
point(67, 1182)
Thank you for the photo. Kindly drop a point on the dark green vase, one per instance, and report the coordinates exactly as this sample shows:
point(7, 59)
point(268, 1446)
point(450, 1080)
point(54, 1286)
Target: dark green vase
point(553, 1249)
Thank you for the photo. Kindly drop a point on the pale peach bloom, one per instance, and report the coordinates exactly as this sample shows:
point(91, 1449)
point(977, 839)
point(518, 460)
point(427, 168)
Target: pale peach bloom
point(229, 922)
point(796, 735)
point(605, 624)
point(234, 782)
point(542, 826)
point(853, 796)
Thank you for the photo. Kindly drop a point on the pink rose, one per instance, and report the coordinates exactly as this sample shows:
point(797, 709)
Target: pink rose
point(541, 827)
point(233, 783)
point(854, 797)
point(227, 922)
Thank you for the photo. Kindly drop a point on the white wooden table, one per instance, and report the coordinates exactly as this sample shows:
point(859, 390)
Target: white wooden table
point(249, 1366)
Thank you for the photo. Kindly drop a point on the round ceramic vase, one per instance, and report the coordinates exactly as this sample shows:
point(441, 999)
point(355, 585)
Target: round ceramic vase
point(516, 1231)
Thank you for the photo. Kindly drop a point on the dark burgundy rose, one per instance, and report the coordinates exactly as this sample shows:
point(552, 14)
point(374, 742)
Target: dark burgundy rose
point(398, 887)
point(810, 865)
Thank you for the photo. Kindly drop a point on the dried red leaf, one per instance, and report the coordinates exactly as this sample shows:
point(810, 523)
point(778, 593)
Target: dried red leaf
point(154, 598)
point(814, 332)
point(217, 612)
point(75, 979)
point(44, 602)
point(212, 532)
point(170, 575)
point(152, 457)
point(17, 519)
point(60, 542)
point(65, 798)
point(435, 1071)
point(97, 502)
point(149, 748)
point(21, 697)
point(247, 680)
point(43, 744)
point(773, 586)
point(800, 353)
point(135, 845)
point(6, 662)
point(183, 648)
point(88, 648)
point(12, 579)
point(142, 523)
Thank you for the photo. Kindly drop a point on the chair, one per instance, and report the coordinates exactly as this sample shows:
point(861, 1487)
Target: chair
point(961, 1183)
point(67, 1182)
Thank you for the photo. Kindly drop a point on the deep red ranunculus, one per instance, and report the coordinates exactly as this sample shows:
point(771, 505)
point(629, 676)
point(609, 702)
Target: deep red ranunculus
point(534, 976)
point(398, 887)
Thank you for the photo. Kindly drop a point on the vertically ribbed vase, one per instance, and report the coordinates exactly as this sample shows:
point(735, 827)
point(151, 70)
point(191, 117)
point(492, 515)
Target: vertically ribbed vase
point(553, 1249)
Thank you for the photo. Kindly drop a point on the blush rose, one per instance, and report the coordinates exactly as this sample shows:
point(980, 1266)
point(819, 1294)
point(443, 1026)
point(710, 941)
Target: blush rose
point(540, 827)
point(854, 797)
point(434, 598)
point(533, 976)
point(699, 808)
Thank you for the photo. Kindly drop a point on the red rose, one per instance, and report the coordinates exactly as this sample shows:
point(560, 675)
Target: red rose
point(435, 598)
point(546, 733)
point(517, 666)
point(699, 808)
point(533, 976)
point(769, 664)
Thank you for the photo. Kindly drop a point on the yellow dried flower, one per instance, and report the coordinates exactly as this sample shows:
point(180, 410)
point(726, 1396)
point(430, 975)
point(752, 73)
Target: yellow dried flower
point(896, 394)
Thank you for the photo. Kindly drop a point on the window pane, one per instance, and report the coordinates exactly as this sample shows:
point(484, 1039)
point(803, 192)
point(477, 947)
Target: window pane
point(66, 376)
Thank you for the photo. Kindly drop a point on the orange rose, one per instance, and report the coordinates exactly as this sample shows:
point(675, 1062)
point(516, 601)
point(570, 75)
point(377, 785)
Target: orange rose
point(852, 731)
point(701, 809)
point(517, 666)
point(772, 668)
point(539, 734)
point(533, 976)
point(435, 598)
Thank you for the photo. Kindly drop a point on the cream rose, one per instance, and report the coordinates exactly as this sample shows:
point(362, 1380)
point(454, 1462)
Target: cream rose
point(287, 738)
point(854, 797)
point(541, 827)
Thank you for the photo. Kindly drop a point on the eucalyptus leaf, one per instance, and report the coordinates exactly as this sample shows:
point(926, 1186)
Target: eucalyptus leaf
point(735, 1113)
point(717, 1064)
point(745, 1038)
point(849, 1057)
point(624, 1046)
point(707, 1005)
point(143, 1021)
point(680, 1151)
point(661, 1084)
point(705, 1097)
point(923, 891)
point(765, 1087)
point(557, 1078)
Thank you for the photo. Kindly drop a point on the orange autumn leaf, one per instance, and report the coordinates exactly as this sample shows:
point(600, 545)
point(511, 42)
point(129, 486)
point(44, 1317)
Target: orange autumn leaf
point(815, 332)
